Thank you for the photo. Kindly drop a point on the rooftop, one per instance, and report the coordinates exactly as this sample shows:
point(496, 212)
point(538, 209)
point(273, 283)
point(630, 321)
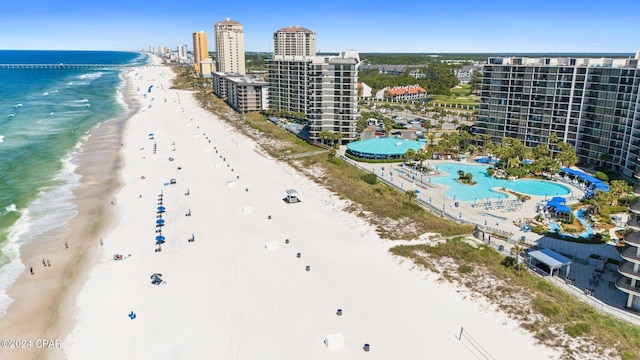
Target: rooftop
point(294, 29)
point(565, 61)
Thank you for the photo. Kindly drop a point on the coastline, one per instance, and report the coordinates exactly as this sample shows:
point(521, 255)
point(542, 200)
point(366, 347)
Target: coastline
point(239, 291)
point(44, 303)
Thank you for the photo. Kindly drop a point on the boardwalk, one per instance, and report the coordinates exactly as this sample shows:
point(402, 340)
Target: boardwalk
point(62, 66)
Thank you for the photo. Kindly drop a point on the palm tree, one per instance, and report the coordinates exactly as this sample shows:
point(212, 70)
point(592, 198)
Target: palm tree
point(388, 125)
point(332, 153)
point(411, 195)
point(410, 155)
point(421, 156)
point(619, 189)
point(567, 154)
point(517, 250)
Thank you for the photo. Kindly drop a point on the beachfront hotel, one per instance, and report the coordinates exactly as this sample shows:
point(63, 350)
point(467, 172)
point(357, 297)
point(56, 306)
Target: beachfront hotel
point(630, 271)
point(590, 103)
point(229, 39)
point(321, 87)
point(242, 93)
point(200, 49)
point(294, 40)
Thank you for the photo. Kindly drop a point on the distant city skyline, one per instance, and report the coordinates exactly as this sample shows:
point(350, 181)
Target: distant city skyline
point(463, 26)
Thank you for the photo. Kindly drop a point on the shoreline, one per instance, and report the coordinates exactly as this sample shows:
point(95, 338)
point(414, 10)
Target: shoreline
point(239, 291)
point(43, 304)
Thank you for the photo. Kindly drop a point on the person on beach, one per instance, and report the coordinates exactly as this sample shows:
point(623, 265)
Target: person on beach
point(44, 263)
point(66, 245)
point(31, 269)
point(48, 263)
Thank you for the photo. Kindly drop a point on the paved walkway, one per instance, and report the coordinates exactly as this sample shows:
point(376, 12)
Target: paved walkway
point(490, 217)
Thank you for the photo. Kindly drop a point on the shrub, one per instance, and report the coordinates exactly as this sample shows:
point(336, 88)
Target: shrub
point(538, 229)
point(508, 261)
point(465, 269)
point(577, 329)
point(370, 178)
point(602, 176)
point(546, 307)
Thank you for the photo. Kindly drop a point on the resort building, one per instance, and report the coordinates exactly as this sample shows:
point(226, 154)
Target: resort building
point(364, 90)
point(406, 93)
point(294, 40)
point(242, 93)
point(200, 49)
point(229, 39)
point(321, 87)
point(590, 103)
point(206, 67)
point(630, 271)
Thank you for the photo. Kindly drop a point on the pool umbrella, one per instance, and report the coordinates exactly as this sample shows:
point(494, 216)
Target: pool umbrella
point(159, 239)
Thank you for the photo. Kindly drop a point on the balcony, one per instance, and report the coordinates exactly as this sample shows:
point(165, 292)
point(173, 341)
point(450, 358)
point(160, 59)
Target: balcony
point(636, 209)
point(632, 253)
point(624, 284)
point(627, 270)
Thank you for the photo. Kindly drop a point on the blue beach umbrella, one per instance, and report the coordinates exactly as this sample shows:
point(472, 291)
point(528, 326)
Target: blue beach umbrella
point(160, 222)
point(160, 239)
point(161, 209)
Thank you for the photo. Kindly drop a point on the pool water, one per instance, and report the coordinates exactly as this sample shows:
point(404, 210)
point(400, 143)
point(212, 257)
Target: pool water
point(579, 214)
point(485, 183)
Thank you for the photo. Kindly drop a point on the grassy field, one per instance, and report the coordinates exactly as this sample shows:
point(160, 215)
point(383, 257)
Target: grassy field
point(460, 95)
point(461, 90)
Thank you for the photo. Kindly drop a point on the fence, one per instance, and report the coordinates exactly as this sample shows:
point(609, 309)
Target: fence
point(595, 303)
point(473, 345)
point(430, 207)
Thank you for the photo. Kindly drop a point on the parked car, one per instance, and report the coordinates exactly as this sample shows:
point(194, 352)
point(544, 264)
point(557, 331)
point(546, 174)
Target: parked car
point(379, 133)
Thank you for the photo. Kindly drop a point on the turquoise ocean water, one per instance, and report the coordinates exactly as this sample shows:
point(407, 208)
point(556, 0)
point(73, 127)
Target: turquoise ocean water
point(44, 117)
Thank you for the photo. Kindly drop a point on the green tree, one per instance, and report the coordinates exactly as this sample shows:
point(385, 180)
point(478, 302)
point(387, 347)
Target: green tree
point(410, 155)
point(411, 195)
point(332, 153)
point(421, 156)
point(619, 189)
point(566, 154)
point(540, 151)
point(388, 125)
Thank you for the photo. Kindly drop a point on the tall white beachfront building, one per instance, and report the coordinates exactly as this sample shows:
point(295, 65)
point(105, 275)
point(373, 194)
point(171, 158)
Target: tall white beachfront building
point(229, 39)
point(324, 88)
point(591, 103)
point(182, 52)
point(294, 40)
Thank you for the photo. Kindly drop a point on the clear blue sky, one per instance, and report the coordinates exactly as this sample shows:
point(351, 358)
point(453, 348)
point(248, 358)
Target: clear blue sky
point(422, 26)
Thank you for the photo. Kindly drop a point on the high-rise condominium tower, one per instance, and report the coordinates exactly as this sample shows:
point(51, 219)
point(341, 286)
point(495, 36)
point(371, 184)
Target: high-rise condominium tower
point(592, 104)
point(200, 49)
point(229, 38)
point(321, 87)
point(294, 40)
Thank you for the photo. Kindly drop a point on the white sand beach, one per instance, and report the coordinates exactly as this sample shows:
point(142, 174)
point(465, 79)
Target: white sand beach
point(224, 295)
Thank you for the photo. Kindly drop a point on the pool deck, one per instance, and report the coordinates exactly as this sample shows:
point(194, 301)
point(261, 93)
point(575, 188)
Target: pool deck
point(488, 217)
point(606, 298)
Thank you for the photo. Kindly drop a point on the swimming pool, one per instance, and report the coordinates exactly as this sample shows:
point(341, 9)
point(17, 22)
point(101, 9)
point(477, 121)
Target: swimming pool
point(579, 214)
point(485, 183)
